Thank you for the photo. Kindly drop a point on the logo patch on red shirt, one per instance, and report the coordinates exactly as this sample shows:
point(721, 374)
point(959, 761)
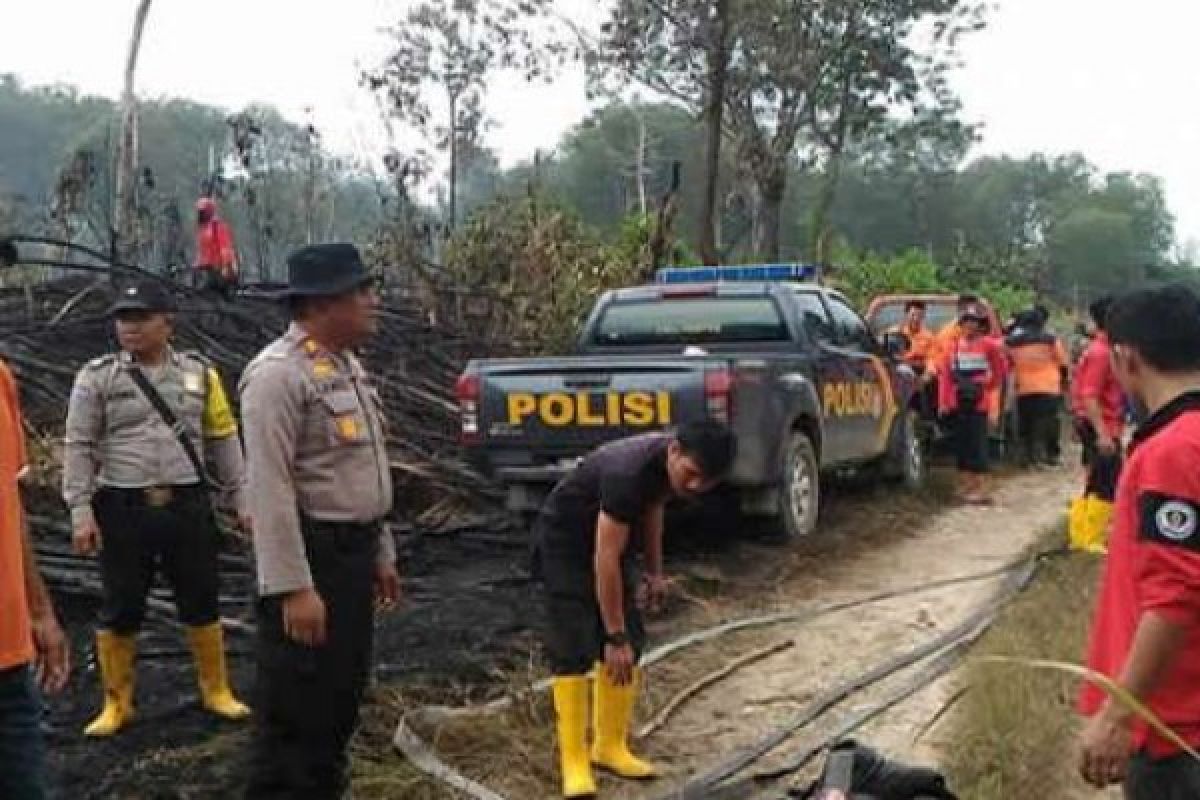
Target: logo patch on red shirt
point(1170, 520)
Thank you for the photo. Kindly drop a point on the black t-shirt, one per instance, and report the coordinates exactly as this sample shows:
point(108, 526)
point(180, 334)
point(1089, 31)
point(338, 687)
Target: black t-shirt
point(622, 479)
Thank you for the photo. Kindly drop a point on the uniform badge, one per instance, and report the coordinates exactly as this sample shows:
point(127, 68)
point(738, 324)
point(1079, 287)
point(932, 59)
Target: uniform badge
point(347, 427)
point(323, 368)
point(193, 382)
point(1170, 520)
point(311, 347)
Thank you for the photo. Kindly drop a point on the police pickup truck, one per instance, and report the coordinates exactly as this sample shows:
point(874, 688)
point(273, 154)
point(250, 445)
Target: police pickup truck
point(790, 365)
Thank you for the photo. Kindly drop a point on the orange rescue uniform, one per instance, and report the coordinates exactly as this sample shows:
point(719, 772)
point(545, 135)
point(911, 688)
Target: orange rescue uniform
point(16, 635)
point(920, 346)
point(1039, 362)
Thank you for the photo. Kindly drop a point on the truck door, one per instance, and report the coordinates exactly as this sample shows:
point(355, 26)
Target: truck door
point(830, 369)
point(864, 401)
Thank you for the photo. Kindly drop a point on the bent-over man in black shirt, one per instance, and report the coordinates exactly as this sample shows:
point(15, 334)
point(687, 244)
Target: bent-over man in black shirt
point(591, 529)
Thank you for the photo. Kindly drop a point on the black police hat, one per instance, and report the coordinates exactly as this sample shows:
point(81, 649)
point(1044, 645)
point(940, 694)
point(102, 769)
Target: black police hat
point(325, 269)
point(144, 296)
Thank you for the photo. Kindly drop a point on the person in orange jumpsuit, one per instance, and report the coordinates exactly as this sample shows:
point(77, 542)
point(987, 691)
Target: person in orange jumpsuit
point(216, 258)
point(972, 367)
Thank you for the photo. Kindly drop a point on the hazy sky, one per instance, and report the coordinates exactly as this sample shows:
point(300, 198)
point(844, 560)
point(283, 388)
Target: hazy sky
point(1113, 79)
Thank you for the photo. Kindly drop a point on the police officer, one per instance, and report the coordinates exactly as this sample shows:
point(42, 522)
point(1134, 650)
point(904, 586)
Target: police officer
point(141, 426)
point(589, 535)
point(319, 488)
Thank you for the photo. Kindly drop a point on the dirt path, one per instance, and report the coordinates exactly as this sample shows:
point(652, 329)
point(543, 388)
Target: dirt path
point(757, 699)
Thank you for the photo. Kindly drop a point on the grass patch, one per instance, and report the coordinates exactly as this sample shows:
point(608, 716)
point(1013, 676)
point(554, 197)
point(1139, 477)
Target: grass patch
point(1013, 732)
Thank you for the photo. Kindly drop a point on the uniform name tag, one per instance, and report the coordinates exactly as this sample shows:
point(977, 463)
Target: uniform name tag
point(193, 382)
point(348, 428)
point(323, 368)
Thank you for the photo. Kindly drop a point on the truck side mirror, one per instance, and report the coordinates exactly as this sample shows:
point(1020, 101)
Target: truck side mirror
point(896, 344)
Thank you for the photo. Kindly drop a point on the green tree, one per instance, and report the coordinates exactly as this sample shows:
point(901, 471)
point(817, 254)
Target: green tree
point(683, 50)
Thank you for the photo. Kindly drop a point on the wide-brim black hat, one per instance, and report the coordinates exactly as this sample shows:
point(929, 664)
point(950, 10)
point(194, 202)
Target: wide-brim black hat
point(144, 296)
point(325, 269)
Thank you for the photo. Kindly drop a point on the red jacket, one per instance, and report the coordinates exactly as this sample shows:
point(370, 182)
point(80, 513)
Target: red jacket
point(214, 247)
point(1095, 380)
point(1154, 565)
point(981, 360)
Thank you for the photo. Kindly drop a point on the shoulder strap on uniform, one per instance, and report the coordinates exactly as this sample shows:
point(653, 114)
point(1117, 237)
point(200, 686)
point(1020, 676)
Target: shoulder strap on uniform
point(172, 421)
point(96, 363)
point(196, 355)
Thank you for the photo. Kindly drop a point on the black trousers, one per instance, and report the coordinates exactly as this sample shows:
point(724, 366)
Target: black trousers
point(1040, 429)
point(22, 749)
point(1103, 471)
point(971, 441)
point(1175, 778)
point(180, 540)
point(307, 702)
point(574, 629)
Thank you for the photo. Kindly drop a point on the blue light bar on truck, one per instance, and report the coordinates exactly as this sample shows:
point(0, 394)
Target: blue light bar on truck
point(743, 273)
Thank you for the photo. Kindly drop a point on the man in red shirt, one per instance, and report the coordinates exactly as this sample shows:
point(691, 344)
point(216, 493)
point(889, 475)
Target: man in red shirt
point(216, 259)
point(1098, 404)
point(972, 366)
point(1146, 633)
point(33, 651)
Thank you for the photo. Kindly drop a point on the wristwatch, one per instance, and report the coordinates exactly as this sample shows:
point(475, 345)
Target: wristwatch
point(616, 639)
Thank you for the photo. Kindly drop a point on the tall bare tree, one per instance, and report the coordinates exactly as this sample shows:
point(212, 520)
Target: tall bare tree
point(124, 223)
point(445, 51)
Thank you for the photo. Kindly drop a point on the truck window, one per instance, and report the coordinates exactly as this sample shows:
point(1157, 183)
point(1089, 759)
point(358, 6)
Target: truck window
point(937, 316)
point(691, 321)
point(850, 329)
point(814, 318)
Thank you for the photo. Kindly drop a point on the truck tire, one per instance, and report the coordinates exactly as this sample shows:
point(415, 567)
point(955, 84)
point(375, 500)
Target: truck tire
point(906, 461)
point(800, 493)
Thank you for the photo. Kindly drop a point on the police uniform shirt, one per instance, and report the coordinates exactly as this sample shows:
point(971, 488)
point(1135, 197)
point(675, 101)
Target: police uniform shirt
point(1153, 565)
point(315, 445)
point(115, 438)
point(622, 479)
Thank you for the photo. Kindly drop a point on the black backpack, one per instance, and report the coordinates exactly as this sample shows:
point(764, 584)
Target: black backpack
point(861, 773)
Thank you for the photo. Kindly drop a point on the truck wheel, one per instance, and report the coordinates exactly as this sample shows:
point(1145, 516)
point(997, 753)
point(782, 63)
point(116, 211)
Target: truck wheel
point(906, 461)
point(800, 497)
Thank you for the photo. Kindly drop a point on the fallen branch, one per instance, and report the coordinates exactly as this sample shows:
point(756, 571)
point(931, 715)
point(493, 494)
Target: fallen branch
point(708, 680)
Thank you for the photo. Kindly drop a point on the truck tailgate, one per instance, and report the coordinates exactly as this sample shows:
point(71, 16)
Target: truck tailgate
point(571, 405)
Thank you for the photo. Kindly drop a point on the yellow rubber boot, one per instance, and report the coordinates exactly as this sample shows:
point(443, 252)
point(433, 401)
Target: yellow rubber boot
point(1100, 513)
point(115, 655)
point(571, 709)
point(208, 650)
point(1078, 521)
point(613, 709)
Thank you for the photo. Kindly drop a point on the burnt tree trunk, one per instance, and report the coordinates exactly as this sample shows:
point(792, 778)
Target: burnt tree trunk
point(718, 72)
point(124, 223)
point(769, 189)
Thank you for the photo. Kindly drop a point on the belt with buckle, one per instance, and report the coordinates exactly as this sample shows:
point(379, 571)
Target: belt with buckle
point(158, 496)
